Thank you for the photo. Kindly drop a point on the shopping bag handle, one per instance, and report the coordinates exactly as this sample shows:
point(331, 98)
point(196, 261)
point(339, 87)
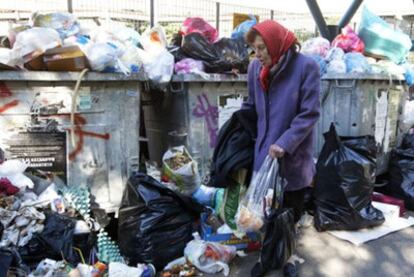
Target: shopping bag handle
point(275, 188)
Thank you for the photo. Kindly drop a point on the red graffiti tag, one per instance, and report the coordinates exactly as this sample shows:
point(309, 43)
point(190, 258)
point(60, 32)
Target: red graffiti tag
point(80, 133)
point(4, 93)
point(8, 106)
point(4, 90)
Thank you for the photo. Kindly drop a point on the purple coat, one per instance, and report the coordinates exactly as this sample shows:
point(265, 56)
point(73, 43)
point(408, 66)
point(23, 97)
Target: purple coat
point(287, 114)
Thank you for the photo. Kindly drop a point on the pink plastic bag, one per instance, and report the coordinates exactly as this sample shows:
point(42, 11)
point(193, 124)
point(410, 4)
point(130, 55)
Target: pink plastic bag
point(349, 41)
point(187, 66)
point(199, 25)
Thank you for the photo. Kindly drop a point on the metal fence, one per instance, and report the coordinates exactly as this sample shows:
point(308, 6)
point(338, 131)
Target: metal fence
point(142, 13)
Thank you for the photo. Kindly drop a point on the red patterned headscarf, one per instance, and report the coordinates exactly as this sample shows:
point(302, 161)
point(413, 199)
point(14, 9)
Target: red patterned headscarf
point(278, 40)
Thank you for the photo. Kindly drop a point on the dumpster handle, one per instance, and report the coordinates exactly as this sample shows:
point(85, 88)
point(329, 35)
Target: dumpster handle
point(179, 89)
point(73, 107)
point(345, 86)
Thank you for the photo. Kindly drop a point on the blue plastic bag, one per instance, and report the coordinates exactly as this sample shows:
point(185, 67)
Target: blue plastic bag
point(243, 27)
point(321, 62)
point(382, 40)
point(356, 63)
point(409, 74)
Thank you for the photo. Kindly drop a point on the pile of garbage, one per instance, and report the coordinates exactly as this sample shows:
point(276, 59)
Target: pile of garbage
point(376, 49)
point(49, 228)
point(58, 42)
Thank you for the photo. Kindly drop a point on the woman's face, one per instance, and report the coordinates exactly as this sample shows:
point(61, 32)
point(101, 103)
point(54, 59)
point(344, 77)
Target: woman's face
point(260, 49)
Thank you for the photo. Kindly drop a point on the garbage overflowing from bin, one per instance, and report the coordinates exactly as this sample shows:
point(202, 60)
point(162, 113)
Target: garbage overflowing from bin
point(170, 220)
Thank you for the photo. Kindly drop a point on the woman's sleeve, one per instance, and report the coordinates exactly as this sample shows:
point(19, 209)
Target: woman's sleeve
point(309, 108)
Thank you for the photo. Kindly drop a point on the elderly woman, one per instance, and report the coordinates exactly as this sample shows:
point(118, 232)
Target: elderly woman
point(284, 90)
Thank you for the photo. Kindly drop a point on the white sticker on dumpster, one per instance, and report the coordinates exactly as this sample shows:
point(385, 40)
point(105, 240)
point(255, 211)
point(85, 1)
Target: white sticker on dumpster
point(84, 100)
point(381, 116)
point(228, 104)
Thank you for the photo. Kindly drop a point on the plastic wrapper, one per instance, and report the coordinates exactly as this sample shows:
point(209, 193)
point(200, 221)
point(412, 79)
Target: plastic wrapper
point(210, 257)
point(65, 24)
point(345, 180)
point(13, 170)
point(180, 168)
point(349, 41)
point(316, 46)
point(356, 63)
point(205, 195)
point(381, 40)
point(32, 43)
point(243, 28)
point(199, 25)
point(233, 196)
point(250, 214)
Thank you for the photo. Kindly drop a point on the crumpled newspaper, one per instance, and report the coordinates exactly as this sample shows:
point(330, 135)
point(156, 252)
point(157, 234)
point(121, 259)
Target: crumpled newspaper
point(20, 226)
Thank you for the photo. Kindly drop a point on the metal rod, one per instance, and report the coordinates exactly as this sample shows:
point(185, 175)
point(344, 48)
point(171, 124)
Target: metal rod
point(70, 6)
point(272, 14)
point(217, 16)
point(152, 14)
point(349, 13)
point(317, 16)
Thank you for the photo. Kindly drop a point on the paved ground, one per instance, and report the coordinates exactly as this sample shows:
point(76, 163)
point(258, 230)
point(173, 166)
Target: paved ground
point(325, 255)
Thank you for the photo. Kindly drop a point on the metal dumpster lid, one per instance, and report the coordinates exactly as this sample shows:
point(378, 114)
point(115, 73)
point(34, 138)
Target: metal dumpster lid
point(365, 76)
point(188, 78)
point(68, 76)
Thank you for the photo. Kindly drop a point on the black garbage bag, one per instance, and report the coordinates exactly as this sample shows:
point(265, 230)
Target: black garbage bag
point(177, 52)
point(56, 240)
point(401, 184)
point(279, 235)
point(196, 46)
point(234, 53)
point(222, 56)
point(11, 264)
point(278, 243)
point(345, 178)
point(408, 141)
point(155, 223)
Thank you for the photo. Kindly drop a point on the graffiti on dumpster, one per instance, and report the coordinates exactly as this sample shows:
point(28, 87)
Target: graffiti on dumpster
point(204, 109)
point(5, 92)
point(80, 133)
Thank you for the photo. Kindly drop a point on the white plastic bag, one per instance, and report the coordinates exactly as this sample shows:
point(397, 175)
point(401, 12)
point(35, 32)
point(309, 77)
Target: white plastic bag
point(316, 46)
point(31, 43)
point(408, 117)
point(158, 62)
point(159, 67)
point(106, 57)
point(180, 167)
point(13, 170)
point(131, 58)
point(210, 257)
point(122, 270)
point(250, 214)
point(66, 24)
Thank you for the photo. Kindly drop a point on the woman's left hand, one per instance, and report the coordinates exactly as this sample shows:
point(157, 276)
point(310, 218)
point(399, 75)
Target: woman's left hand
point(276, 152)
